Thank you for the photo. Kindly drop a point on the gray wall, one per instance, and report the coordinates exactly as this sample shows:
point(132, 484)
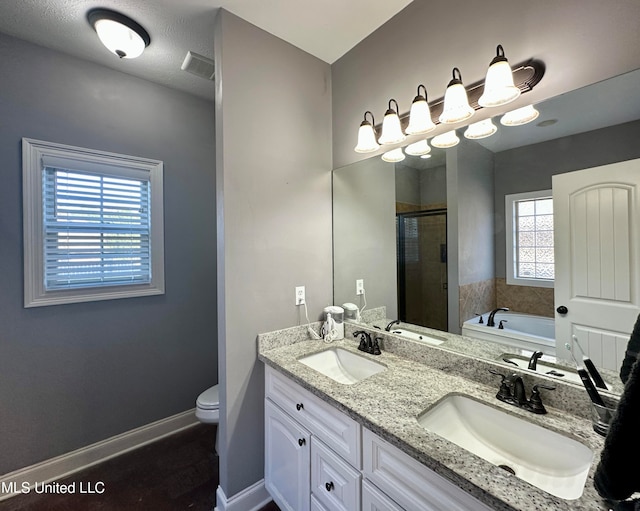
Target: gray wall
point(273, 171)
point(71, 375)
point(364, 233)
point(530, 168)
point(575, 38)
point(470, 247)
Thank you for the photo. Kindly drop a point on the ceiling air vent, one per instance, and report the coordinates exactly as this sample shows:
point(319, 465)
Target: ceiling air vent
point(198, 65)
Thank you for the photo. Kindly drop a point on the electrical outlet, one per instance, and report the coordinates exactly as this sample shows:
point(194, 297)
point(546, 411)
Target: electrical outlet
point(300, 298)
point(360, 287)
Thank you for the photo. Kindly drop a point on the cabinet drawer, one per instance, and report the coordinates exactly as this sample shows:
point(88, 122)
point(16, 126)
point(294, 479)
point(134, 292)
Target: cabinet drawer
point(333, 427)
point(410, 483)
point(334, 483)
point(375, 500)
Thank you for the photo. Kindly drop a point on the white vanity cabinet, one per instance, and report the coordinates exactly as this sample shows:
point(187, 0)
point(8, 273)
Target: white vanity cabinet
point(410, 483)
point(311, 449)
point(319, 459)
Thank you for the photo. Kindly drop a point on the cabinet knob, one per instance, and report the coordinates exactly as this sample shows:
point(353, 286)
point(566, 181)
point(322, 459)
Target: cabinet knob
point(301, 441)
point(299, 406)
point(562, 310)
point(329, 486)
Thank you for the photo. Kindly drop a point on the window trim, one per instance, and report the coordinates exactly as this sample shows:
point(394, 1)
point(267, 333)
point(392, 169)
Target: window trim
point(509, 208)
point(33, 153)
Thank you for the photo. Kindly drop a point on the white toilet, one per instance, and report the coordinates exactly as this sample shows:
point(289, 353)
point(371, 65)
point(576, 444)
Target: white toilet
point(208, 408)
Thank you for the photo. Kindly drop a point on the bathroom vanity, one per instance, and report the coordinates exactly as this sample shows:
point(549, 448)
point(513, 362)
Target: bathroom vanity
point(360, 445)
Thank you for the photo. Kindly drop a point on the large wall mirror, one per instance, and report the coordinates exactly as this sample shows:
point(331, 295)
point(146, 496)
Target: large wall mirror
point(428, 236)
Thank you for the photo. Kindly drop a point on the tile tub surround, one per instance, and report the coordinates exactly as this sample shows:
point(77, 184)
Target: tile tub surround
point(417, 377)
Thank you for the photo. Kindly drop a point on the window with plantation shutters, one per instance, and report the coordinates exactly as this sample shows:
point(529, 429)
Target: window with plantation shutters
point(96, 230)
point(93, 225)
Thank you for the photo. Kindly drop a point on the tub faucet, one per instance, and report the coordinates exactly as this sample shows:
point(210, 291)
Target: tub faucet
point(533, 361)
point(391, 323)
point(491, 321)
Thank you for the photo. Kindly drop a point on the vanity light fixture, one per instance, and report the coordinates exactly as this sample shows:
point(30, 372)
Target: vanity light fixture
point(520, 116)
point(391, 129)
point(119, 33)
point(420, 121)
point(419, 148)
point(394, 156)
point(481, 129)
point(499, 88)
point(456, 103)
point(367, 135)
point(445, 140)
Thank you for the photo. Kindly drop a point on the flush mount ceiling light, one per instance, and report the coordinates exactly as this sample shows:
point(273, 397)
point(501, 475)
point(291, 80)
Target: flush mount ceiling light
point(499, 88)
point(456, 103)
point(420, 115)
point(367, 136)
point(520, 116)
point(119, 33)
point(394, 156)
point(418, 148)
point(391, 129)
point(445, 140)
point(481, 129)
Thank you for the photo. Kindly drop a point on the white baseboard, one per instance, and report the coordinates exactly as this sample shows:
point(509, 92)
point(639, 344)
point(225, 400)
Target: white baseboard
point(69, 463)
point(252, 498)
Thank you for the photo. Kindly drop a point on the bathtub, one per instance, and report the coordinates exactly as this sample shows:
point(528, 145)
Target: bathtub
point(524, 331)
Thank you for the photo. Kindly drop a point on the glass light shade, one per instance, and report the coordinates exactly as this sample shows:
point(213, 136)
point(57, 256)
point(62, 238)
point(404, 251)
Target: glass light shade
point(425, 156)
point(481, 129)
point(456, 103)
point(391, 129)
point(445, 140)
point(394, 156)
point(498, 86)
point(420, 117)
point(366, 139)
point(418, 148)
point(120, 39)
point(520, 116)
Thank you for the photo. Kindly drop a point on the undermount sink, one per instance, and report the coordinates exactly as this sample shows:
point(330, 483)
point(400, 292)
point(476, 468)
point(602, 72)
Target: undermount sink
point(548, 460)
point(544, 367)
point(417, 336)
point(342, 365)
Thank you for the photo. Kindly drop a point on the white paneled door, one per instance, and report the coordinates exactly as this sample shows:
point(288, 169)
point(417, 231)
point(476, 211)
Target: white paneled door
point(597, 257)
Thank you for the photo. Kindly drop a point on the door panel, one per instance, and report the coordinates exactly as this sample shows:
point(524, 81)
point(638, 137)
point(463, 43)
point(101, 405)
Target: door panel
point(596, 241)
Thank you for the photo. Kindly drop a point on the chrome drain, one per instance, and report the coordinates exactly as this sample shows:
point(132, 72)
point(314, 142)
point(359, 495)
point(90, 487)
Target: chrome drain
point(507, 468)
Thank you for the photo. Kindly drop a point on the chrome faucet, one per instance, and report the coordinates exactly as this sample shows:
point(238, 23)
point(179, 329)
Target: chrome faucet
point(491, 321)
point(391, 323)
point(533, 361)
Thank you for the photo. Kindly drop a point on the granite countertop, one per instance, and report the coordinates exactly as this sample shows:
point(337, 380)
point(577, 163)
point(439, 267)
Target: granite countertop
point(388, 403)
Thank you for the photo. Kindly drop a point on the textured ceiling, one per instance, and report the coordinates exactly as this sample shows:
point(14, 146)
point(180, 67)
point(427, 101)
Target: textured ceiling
point(326, 29)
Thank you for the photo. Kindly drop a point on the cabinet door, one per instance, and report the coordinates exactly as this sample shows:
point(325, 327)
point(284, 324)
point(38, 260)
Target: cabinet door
point(287, 460)
point(334, 482)
point(375, 500)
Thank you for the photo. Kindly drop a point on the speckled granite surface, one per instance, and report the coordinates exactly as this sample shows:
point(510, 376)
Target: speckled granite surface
point(417, 377)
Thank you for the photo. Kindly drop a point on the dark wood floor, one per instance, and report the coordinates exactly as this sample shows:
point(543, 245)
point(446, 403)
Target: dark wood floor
point(176, 473)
